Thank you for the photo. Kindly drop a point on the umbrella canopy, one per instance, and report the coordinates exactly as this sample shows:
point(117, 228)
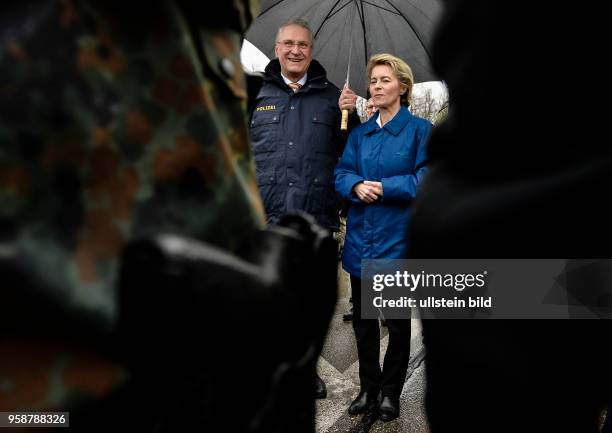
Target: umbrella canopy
point(356, 29)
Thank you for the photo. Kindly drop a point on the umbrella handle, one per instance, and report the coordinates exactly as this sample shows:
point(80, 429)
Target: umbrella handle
point(344, 123)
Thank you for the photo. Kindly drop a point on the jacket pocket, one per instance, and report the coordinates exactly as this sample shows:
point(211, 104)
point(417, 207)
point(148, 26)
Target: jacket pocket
point(267, 177)
point(269, 190)
point(264, 127)
point(322, 132)
point(401, 163)
point(324, 118)
point(322, 197)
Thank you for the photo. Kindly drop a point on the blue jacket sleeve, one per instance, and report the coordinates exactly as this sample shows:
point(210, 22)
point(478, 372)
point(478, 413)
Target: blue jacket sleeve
point(403, 188)
point(346, 173)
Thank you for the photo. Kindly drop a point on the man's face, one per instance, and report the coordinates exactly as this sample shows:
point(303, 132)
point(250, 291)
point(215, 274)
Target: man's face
point(294, 51)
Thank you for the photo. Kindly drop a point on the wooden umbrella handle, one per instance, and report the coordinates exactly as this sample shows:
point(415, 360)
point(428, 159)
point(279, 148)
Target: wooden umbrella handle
point(344, 123)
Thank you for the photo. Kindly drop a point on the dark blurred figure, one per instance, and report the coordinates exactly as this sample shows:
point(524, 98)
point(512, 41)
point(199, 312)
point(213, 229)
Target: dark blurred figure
point(522, 167)
point(123, 148)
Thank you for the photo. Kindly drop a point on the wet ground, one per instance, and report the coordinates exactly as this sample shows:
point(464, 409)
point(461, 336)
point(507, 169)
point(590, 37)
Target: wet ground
point(338, 366)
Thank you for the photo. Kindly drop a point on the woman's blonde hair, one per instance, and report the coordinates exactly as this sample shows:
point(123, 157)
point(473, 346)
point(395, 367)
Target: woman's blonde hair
point(401, 70)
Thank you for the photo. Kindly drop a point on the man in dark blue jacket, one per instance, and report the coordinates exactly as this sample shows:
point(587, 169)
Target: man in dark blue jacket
point(295, 129)
point(296, 137)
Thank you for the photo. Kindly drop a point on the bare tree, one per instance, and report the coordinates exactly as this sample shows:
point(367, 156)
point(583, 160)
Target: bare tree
point(425, 105)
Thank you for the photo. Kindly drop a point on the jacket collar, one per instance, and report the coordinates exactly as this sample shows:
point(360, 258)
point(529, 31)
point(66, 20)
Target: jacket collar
point(317, 77)
point(395, 126)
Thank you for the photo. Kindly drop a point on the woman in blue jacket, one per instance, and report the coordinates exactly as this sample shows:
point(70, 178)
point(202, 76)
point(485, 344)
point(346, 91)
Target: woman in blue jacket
point(380, 169)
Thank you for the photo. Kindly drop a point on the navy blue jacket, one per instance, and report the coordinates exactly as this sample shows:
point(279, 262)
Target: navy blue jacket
point(296, 143)
point(396, 156)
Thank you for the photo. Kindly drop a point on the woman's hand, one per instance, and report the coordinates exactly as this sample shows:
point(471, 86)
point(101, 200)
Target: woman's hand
point(365, 193)
point(374, 186)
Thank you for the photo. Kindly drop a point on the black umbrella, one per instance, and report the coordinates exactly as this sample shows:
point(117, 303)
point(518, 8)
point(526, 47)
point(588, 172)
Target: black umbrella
point(355, 30)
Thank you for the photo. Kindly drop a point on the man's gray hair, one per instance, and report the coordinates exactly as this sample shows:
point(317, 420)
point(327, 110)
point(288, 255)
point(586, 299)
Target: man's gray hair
point(296, 22)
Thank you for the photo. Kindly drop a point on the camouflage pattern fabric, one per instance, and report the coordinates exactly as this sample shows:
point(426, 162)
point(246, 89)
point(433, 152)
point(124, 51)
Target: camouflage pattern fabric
point(113, 125)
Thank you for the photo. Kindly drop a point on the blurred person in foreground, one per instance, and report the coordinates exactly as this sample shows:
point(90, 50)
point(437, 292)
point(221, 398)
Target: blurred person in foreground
point(136, 275)
point(518, 170)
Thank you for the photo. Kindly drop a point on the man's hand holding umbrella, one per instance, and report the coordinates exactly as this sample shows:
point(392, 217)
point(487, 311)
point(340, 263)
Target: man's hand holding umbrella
point(347, 104)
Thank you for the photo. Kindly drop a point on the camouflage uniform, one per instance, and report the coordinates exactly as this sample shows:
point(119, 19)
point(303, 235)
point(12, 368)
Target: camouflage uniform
point(113, 125)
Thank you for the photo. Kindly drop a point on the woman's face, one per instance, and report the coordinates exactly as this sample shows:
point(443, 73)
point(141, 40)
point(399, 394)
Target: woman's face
point(385, 87)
